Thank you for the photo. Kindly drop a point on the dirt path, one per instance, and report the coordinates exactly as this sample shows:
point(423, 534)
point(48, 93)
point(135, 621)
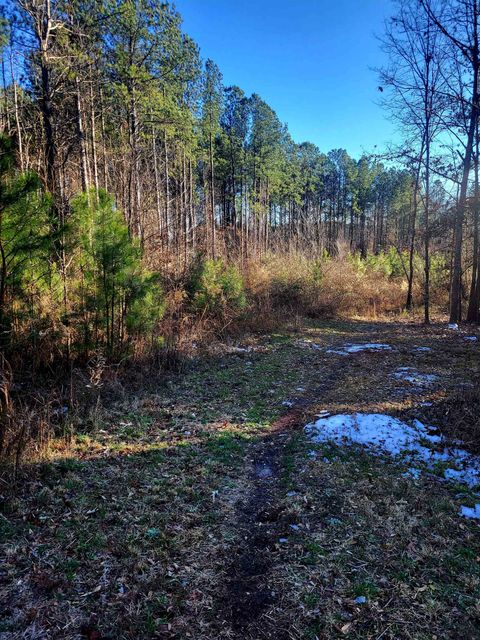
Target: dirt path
point(263, 523)
point(248, 592)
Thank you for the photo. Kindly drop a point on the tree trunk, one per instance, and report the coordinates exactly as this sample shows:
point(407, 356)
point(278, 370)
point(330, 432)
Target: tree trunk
point(81, 138)
point(456, 288)
point(158, 199)
point(17, 117)
point(167, 191)
point(93, 133)
point(409, 302)
point(474, 298)
point(427, 232)
point(212, 199)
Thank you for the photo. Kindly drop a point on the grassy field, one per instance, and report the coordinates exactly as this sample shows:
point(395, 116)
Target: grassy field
point(196, 507)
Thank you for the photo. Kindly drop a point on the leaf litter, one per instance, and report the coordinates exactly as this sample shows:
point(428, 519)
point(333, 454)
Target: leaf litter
point(136, 531)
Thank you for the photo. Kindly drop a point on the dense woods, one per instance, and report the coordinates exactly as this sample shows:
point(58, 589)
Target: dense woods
point(239, 372)
point(135, 185)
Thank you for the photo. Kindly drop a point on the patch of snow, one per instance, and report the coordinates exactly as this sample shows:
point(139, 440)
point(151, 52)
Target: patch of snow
point(263, 471)
point(453, 326)
point(470, 338)
point(469, 475)
point(360, 599)
point(411, 375)
point(60, 411)
point(349, 348)
point(421, 349)
point(383, 434)
point(238, 349)
point(412, 473)
point(309, 344)
point(287, 403)
point(469, 512)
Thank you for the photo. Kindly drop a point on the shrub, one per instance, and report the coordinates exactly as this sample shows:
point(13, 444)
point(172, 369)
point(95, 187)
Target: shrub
point(116, 295)
point(26, 244)
point(389, 264)
point(215, 287)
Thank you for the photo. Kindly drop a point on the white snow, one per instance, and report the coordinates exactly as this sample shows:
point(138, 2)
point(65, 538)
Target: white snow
point(470, 338)
point(412, 473)
point(357, 348)
point(411, 375)
point(422, 349)
point(453, 326)
point(306, 342)
point(469, 512)
point(415, 443)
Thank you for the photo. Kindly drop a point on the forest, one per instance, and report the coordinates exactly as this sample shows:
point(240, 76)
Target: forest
point(142, 174)
point(182, 285)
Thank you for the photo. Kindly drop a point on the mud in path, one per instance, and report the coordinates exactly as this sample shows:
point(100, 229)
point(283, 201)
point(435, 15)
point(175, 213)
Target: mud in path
point(248, 592)
point(263, 524)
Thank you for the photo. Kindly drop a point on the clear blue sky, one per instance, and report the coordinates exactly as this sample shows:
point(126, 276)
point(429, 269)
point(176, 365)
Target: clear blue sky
point(310, 60)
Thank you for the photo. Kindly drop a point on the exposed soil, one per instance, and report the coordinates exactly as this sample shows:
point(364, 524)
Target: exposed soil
point(248, 593)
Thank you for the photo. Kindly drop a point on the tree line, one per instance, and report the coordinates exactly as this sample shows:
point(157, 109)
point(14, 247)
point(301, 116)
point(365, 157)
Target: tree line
point(124, 158)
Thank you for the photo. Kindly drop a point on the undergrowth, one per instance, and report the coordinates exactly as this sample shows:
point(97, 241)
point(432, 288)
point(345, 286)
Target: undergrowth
point(56, 386)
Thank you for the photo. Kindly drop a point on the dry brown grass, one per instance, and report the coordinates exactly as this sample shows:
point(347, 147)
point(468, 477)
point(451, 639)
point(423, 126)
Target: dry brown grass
point(285, 286)
point(458, 414)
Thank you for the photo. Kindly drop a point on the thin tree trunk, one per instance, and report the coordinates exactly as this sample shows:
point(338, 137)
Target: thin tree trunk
point(456, 289)
point(17, 116)
point(6, 115)
point(81, 138)
point(192, 206)
point(474, 298)
point(212, 199)
point(427, 232)
point(93, 133)
point(167, 190)
point(409, 302)
point(158, 199)
point(104, 143)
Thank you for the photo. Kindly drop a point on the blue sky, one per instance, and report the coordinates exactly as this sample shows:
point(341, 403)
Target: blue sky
point(311, 60)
